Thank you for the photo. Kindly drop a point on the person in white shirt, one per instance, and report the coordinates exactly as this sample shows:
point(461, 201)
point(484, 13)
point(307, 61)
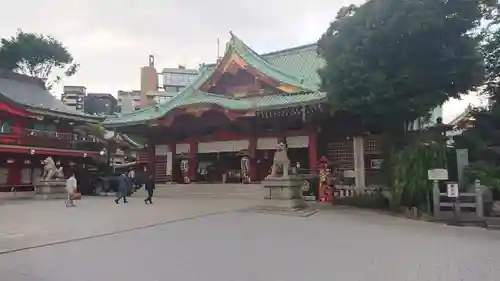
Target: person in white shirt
point(71, 185)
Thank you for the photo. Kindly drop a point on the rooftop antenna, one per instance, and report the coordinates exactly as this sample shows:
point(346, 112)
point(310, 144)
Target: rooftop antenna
point(151, 60)
point(218, 50)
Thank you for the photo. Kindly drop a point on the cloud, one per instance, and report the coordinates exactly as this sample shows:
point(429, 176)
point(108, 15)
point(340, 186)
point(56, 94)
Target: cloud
point(112, 39)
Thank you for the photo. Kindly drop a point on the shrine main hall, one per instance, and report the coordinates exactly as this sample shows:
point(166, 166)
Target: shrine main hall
point(225, 126)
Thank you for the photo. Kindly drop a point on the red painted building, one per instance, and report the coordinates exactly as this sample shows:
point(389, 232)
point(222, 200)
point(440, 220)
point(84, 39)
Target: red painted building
point(242, 106)
point(35, 125)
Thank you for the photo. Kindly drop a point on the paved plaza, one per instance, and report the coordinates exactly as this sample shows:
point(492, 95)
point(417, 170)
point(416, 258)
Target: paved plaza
point(209, 239)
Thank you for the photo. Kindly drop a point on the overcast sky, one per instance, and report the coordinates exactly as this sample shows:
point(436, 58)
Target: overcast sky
point(112, 39)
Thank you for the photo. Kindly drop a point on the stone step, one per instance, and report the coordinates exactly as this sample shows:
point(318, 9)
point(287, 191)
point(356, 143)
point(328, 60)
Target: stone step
point(493, 222)
point(242, 191)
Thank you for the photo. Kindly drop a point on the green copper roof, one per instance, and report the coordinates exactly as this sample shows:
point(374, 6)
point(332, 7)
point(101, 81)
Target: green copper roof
point(302, 62)
point(191, 97)
point(297, 67)
point(265, 67)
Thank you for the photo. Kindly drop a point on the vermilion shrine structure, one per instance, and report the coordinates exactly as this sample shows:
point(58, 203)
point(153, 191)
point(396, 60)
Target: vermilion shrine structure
point(241, 107)
point(35, 125)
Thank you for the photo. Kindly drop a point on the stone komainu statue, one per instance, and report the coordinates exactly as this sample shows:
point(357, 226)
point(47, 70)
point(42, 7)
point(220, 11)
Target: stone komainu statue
point(245, 169)
point(280, 160)
point(184, 167)
point(50, 170)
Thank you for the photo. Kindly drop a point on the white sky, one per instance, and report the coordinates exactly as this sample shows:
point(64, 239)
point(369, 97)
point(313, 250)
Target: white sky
point(112, 39)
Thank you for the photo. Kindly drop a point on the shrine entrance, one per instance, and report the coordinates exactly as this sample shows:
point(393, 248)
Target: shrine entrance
point(219, 167)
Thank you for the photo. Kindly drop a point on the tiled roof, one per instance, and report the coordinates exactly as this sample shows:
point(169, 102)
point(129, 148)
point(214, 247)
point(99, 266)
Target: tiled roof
point(296, 66)
point(268, 69)
point(302, 62)
point(31, 93)
point(192, 96)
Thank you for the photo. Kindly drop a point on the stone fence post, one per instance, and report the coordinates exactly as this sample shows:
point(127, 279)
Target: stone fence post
point(479, 189)
point(436, 198)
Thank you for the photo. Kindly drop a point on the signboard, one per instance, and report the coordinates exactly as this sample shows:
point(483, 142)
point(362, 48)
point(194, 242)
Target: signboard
point(452, 189)
point(376, 164)
point(437, 174)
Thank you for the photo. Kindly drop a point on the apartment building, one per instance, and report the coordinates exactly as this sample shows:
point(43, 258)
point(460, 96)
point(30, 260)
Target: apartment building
point(129, 101)
point(176, 79)
point(73, 96)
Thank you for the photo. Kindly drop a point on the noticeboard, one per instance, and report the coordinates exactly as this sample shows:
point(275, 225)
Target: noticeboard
point(437, 174)
point(452, 190)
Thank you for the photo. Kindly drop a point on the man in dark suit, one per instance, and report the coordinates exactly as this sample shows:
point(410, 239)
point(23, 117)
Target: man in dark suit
point(150, 187)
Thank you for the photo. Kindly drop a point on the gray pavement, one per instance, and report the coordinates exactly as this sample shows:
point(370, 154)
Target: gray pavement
point(230, 245)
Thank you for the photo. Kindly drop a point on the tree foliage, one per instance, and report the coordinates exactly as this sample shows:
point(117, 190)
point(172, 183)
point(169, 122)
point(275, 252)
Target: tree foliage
point(482, 135)
point(38, 56)
point(392, 61)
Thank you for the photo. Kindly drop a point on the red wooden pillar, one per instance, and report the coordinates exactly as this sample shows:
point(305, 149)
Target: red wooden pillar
point(252, 154)
point(193, 151)
point(16, 127)
point(151, 157)
point(313, 148)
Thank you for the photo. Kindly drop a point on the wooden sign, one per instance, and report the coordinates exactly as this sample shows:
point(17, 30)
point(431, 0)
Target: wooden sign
point(376, 164)
point(437, 174)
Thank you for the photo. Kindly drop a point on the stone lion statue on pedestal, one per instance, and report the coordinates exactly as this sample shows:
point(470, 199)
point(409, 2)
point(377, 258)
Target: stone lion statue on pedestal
point(50, 170)
point(245, 168)
point(280, 160)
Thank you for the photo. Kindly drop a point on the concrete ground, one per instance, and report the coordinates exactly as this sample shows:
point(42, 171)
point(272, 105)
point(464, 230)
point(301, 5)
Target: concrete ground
point(208, 239)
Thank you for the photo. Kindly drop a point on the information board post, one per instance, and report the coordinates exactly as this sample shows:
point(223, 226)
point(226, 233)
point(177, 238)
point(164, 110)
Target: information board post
point(436, 175)
point(454, 194)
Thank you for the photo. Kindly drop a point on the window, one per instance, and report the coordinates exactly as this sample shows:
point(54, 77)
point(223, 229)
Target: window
point(4, 174)
point(178, 79)
point(171, 89)
point(5, 126)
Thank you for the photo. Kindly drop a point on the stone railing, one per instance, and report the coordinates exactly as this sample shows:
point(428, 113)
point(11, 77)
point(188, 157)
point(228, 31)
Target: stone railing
point(470, 206)
point(342, 191)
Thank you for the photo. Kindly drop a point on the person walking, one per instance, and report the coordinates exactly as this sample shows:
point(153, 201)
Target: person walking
point(123, 188)
point(133, 179)
point(150, 187)
point(71, 186)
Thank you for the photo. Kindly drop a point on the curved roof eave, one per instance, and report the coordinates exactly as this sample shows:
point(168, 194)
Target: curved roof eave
point(158, 111)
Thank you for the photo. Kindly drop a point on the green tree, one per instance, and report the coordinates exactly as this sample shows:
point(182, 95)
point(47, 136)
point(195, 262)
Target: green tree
point(393, 61)
point(481, 135)
point(38, 56)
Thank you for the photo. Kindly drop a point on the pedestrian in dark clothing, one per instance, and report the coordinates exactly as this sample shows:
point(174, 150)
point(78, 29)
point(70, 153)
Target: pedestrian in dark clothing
point(123, 188)
point(150, 187)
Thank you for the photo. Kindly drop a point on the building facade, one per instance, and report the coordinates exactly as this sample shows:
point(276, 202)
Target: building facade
point(238, 110)
point(175, 80)
point(129, 101)
point(74, 97)
point(35, 125)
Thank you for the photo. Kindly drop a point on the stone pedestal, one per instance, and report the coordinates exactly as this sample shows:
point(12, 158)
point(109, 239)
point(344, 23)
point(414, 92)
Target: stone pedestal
point(284, 193)
point(52, 189)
